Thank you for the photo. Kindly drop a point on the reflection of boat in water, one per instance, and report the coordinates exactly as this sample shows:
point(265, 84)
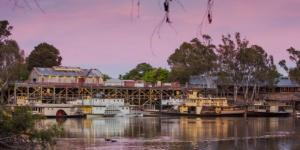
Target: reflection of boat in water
point(106, 107)
point(196, 105)
point(270, 108)
point(57, 110)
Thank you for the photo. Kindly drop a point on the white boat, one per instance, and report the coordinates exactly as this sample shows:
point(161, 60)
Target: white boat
point(105, 107)
point(57, 110)
point(171, 103)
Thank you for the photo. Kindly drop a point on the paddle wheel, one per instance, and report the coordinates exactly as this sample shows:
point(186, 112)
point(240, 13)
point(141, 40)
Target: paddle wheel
point(61, 113)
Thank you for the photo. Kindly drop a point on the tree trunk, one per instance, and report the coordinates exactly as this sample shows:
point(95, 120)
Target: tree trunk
point(2, 92)
point(246, 92)
point(258, 88)
point(1, 95)
point(253, 92)
point(235, 93)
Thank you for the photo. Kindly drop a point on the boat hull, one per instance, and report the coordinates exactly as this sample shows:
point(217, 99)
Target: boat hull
point(268, 114)
point(67, 116)
point(240, 114)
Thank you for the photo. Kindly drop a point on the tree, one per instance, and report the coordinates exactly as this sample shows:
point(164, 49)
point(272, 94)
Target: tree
point(156, 74)
point(229, 65)
point(17, 129)
point(138, 72)
point(5, 30)
point(44, 55)
point(241, 65)
point(11, 59)
point(106, 77)
point(294, 72)
point(258, 69)
point(17, 126)
point(192, 58)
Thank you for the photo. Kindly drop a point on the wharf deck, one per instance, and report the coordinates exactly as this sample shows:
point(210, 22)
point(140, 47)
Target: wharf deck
point(62, 93)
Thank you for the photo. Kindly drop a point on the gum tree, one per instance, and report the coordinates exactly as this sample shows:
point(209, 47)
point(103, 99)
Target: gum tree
point(11, 60)
point(192, 58)
point(293, 72)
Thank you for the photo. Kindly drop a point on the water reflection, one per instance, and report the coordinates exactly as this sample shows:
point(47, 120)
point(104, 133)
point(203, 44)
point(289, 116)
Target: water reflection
point(179, 133)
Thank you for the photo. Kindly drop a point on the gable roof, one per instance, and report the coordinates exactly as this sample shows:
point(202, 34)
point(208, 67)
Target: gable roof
point(286, 82)
point(67, 71)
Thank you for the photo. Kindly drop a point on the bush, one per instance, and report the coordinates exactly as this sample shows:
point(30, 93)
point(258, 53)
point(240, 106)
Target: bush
point(18, 127)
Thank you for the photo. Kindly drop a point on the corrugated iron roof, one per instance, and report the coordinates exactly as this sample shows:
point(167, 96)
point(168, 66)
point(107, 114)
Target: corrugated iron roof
point(201, 79)
point(68, 72)
point(286, 82)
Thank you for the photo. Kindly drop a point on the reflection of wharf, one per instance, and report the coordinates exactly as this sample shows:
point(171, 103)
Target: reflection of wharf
point(62, 93)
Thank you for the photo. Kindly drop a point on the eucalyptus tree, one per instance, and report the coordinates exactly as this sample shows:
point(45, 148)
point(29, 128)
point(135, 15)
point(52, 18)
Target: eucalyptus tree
point(244, 66)
point(11, 59)
point(192, 58)
point(230, 69)
point(294, 72)
point(258, 69)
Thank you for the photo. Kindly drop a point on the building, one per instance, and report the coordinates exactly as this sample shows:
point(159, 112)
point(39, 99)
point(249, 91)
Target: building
point(285, 84)
point(65, 75)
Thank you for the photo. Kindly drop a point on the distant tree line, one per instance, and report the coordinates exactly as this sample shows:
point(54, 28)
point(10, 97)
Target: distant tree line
point(235, 62)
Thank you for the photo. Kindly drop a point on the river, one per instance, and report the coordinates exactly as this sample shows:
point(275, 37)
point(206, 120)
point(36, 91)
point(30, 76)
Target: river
point(136, 133)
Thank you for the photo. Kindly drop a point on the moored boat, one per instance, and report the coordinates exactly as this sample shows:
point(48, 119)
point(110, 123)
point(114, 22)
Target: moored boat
point(196, 105)
point(106, 107)
point(57, 110)
point(269, 109)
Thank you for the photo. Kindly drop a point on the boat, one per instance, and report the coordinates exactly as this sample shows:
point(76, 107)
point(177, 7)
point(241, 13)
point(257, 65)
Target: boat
point(106, 107)
point(269, 109)
point(197, 105)
point(57, 110)
point(171, 104)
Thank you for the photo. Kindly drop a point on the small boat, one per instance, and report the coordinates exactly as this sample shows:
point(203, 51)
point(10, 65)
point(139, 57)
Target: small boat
point(270, 109)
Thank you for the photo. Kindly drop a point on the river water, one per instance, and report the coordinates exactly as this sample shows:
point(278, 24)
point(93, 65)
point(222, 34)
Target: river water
point(136, 133)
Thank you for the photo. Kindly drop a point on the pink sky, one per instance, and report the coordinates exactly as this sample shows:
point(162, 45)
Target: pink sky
point(101, 33)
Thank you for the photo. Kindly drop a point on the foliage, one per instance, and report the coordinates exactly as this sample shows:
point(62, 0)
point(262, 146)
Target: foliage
point(12, 66)
point(5, 30)
point(294, 72)
point(106, 77)
point(146, 72)
point(192, 58)
point(18, 126)
point(156, 74)
point(44, 55)
point(235, 63)
point(242, 65)
point(138, 72)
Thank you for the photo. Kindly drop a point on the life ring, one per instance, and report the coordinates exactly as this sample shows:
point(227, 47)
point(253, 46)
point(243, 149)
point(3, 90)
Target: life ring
point(218, 110)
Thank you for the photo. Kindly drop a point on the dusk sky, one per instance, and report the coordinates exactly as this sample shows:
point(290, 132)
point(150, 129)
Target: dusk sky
point(103, 34)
